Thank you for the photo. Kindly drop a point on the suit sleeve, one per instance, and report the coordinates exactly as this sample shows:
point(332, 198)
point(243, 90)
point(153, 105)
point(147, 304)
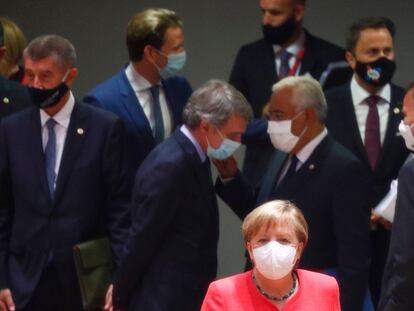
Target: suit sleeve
point(156, 199)
point(6, 209)
point(117, 188)
point(398, 280)
point(351, 224)
point(213, 301)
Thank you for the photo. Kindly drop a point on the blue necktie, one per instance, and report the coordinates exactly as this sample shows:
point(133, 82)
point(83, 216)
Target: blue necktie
point(284, 64)
point(50, 155)
point(159, 122)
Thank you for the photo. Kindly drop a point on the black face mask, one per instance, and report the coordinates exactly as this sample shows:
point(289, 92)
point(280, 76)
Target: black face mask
point(376, 73)
point(279, 34)
point(48, 98)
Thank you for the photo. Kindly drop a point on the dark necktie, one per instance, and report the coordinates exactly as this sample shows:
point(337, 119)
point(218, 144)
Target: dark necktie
point(50, 155)
point(372, 132)
point(291, 169)
point(159, 122)
point(284, 64)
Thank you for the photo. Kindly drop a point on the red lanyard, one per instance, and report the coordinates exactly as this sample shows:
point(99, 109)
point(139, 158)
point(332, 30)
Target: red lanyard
point(297, 63)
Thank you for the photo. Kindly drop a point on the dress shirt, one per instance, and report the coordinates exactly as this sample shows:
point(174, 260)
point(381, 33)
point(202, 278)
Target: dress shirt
point(141, 87)
point(190, 136)
point(62, 119)
point(293, 49)
point(304, 154)
point(359, 96)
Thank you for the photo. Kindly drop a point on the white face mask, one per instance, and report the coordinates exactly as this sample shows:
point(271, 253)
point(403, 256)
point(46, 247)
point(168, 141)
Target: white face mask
point(281, 135)
point(405, 131)
point(274, 260)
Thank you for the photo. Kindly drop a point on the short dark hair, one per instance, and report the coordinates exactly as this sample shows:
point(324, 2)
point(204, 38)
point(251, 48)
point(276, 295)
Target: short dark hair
point(148, 27)
point(374, 22)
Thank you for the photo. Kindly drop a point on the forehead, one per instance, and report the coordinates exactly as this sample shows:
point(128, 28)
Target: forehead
point(174, 34)
point(45, 64)
point(276, 228)
point(235, 124)
point(276, 4)
point(374, 37)
point(282, 100)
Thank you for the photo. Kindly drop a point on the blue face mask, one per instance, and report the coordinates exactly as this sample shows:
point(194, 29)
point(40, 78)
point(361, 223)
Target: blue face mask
point(225, 150)
point(175, 63)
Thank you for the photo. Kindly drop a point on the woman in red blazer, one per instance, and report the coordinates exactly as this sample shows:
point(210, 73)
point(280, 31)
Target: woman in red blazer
point(275, 235)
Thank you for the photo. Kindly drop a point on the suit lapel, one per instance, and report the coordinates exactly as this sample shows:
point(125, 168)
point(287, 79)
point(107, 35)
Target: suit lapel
point(170, 103)
point(131, 104)
point(75, 137)
point(308, 60)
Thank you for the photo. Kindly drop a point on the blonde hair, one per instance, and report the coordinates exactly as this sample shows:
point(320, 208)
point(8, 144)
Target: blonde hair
point(15, 42)
point(274, 213)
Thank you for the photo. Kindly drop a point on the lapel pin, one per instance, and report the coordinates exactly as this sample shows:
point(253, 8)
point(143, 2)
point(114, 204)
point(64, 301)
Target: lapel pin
point(396, 110)
point(80, 131)
point(6, 100)
point(311, 166)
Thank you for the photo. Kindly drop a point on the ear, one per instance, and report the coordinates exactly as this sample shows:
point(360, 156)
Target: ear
point(205, 126)
point(73, 73)
point(299, 13)
point(350, 59)
point(249, 248)
point(149, 53)
point(299, 252)
point(2, 52)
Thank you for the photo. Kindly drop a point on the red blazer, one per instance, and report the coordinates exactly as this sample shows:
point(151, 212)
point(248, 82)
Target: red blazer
point(317, 292)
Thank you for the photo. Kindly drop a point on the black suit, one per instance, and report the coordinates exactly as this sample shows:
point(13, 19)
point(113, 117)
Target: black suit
point(90, 199)
point(254, 74)
point(171, 254)
point(13, 97)
point(328, 188)
point(343, 126)
point(398, 281)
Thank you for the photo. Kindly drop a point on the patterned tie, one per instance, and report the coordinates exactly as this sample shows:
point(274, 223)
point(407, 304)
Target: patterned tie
point(284, 64)
point(159, 122)
point(50, 155)
point(372, 132)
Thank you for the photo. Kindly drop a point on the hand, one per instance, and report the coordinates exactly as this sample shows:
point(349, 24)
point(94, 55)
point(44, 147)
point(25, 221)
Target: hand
point(108, 299)
point(381, 220)
point(6, 300)
point(227, 167)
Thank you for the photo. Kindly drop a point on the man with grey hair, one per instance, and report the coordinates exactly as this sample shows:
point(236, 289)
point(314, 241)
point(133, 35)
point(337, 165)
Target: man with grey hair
point(170, 256)
point(324, 179)
point(62, 182)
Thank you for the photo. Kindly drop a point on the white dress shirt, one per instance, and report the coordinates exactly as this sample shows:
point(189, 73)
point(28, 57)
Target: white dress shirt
point(62, 119)
point(141, 87)
point(359, 96)
point(293, 49)
point(195, 143)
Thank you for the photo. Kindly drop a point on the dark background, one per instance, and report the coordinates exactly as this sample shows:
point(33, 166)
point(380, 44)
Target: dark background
point(214, 30)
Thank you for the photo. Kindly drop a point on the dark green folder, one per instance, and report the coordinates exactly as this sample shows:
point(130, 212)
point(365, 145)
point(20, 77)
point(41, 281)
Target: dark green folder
point(94, 266)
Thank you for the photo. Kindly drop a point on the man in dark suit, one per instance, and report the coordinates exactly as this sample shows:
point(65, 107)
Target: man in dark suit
point(13, 96)
point(364, 116)
point(147, 95)
point(398, 280)
point(170, 256)
point(321, 177)
point(286, 49)
point(61, 183)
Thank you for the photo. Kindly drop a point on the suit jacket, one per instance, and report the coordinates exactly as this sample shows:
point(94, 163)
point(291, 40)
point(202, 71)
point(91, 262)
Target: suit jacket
point(13, 97)
point(90, 199)
point(398, 280)
point(316, 292)
point(342, 124)
point(254, 74)
point(117, 96)
point(329, 189)
point(171, 254)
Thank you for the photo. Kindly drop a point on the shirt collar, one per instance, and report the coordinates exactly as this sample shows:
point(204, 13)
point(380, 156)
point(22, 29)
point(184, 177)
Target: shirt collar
point(304, 154)
point(359, 94)
point(63, 115)
point(294, 48)
point(190, 136)
point(137, 81)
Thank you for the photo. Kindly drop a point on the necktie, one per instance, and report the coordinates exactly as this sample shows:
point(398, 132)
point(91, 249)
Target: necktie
point(159, 122)
point(372, 132)
point(291, 169)
point(284, 64)
point(50, 155)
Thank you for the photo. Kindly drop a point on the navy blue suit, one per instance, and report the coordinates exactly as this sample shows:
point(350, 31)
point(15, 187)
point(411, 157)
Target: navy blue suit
point(171, 254)
point(342, 124)
point(117, 96)
point(13, 97)
point(90, 199)
point(329, 189)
